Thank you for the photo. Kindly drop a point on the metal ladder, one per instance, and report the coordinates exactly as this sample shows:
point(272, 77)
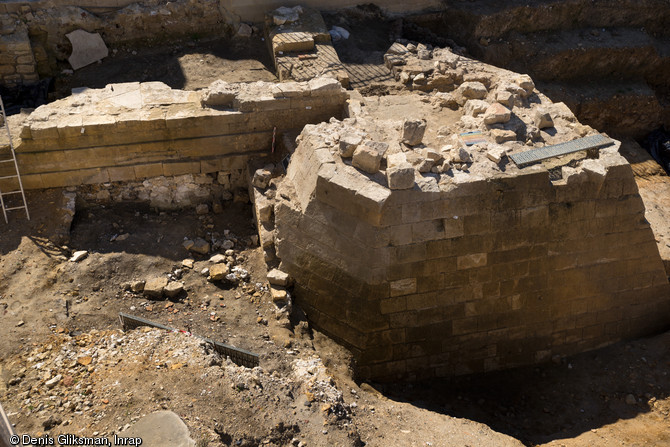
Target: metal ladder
point(13, 176)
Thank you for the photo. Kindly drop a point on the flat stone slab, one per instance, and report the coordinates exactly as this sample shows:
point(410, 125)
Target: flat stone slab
point(87, 48)
point(161, 429)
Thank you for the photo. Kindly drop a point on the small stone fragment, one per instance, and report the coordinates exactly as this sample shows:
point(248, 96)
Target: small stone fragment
point(244, 30)
point(423, 54)
point(79, 256)
point(505, 98)
point(85, 360)
point(201, 209)
point(188, 263)
point(51, 422)
point(472, 90)
point(217, 259)
point(525, 82)
point(475, 107)
point(501, 136)
point(425, 165)
point(542, 119)
point(278, 295)
point(53, 381)
point(460, 155)
point(200, 246)
point(496, 153)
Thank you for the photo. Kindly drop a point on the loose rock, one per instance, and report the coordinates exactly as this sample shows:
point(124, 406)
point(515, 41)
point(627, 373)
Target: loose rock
point(413, 131)
point(79, 256)
point(218, 272)
point(154, 287)
point(173, 289)
point(368, 157)
point(278, 278)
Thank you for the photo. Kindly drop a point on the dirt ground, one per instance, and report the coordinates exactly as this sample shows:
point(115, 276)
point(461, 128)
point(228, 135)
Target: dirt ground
point(615, 396)
point(106, 379)
point(189, 66)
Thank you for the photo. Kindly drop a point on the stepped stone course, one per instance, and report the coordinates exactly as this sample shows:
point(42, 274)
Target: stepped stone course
point(139, 130)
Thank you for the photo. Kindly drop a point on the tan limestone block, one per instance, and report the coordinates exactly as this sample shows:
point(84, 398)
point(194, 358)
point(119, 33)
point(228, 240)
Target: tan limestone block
point(471, 261)
point(403, 287)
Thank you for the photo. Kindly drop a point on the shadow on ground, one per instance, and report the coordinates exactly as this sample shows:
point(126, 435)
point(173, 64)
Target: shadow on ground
point(554, 401)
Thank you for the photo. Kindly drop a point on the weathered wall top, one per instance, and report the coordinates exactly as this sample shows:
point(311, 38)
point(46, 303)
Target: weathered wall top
point(138, 130)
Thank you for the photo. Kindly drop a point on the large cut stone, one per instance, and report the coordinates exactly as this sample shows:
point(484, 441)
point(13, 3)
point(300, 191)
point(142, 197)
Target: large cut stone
point(472, 90)
point(298, 41)
point(154, 287)
point(87, 48)
point(219, 93)
point(400, 176)
point(413, 131)
point(349, 143)
point(278, 278)
point(497, 114)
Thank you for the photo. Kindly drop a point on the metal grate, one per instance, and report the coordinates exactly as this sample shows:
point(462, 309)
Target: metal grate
point(593, 142)
point(238, 356)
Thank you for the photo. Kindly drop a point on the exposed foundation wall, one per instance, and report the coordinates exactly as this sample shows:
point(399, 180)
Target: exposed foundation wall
point(471, 275)
point(245, 10)
point(133, 131)
point(17, 59)
point(254, 10)
point(38, 30)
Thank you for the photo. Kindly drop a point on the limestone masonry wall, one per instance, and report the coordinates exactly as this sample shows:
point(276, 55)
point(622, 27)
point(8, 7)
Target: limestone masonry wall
point(134, 131)
point(473, 274)
point(17, 62)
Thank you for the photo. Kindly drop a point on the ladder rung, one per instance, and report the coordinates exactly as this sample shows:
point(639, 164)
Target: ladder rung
point(8, 176)
point(15, 208)
point(7, 161)
point(10, 192)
